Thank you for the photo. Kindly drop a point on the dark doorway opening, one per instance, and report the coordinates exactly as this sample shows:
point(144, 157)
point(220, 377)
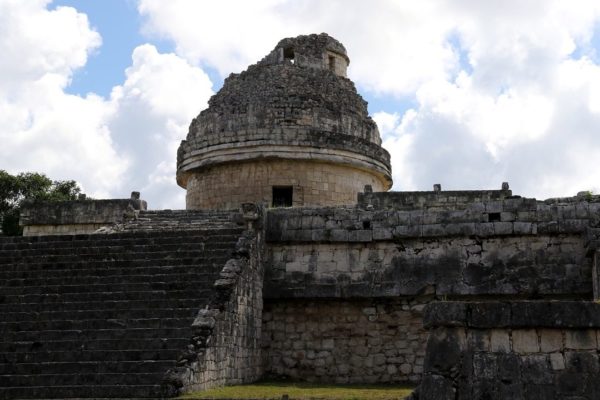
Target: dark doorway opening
point(332, 63)
point(288, 54)
point(282, 196)
point(494, 217)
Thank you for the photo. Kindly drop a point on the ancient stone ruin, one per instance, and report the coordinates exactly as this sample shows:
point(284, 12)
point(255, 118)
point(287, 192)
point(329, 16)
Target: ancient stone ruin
point(291, 130)
point(292, 260)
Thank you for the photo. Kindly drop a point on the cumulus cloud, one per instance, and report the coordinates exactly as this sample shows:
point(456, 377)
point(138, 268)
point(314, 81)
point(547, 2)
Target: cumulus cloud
point(109, 145)
point(500, 90)
point(402, 39)
point(43, 128)
point(153, 109)
point(503, 90)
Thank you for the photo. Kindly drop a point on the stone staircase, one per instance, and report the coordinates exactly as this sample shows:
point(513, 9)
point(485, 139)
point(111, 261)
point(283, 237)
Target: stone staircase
point(154, 220)
point(102, 316)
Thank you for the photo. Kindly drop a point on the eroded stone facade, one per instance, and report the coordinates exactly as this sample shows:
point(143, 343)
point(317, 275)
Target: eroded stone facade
point(345, 341)
point(312, 183)
point(287, 119)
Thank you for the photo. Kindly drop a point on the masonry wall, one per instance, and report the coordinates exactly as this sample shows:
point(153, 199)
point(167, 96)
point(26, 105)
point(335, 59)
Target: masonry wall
point(76, 216)
point(225, 348)
point(512, 247)
point(314, 184)
point(512, 350)
point(344, 341)
point(324, 265)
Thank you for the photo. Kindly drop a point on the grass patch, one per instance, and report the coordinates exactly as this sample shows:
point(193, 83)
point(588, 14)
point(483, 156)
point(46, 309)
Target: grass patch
point(303, 391)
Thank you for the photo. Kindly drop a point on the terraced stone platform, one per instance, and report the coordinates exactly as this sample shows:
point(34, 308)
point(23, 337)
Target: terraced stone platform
point(160, 220)
point(102, 316)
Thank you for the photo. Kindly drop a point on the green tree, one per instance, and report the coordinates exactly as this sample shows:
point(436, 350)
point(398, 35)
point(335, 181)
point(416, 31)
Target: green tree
point(29, 186)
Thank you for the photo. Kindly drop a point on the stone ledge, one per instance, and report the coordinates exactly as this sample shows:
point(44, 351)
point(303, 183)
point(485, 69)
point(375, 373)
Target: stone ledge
point(513, 314)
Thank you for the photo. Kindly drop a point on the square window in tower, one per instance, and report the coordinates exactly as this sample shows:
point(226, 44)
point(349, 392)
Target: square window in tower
point(288, 54)
point(282, 196)
point(332, 63)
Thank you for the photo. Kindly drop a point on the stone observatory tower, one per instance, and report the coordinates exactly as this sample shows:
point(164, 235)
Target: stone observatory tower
point(291, 130)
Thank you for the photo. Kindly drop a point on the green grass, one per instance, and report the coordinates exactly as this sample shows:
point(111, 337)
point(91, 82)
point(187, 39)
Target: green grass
point(303, 391)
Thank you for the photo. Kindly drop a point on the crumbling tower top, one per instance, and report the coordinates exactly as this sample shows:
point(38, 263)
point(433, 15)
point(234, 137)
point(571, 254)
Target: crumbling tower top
point(290, 130)
point(311, 51)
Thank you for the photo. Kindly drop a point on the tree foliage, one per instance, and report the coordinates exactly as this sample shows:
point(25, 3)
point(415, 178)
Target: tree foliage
point(29, 186)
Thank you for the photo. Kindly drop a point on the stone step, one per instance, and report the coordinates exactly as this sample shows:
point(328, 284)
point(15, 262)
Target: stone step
point(127, 267)
point(153, 304)
point(93, 324)
point(111, 268)
point(132, 238)
point(77, 355)
point(127, 243)
point(105, 288)
point(83, 373)
point(133, 313)
point(169, 343)
point(95, 391)
point(52, 280)
point(97, 334)
point(106, 296)
point(75, 258)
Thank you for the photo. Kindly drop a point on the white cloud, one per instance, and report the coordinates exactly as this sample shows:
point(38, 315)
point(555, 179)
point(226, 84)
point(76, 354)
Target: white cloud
point(153, 109)
point(501, 90)
point(498, 93)
point(400, 40)
point(43, 128)
point(109, 145)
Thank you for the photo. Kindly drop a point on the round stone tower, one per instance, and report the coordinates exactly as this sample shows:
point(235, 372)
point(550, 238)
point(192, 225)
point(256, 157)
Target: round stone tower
point(291, 130)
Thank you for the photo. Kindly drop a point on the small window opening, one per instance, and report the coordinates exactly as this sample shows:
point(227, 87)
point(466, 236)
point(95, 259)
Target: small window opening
point(332, 63)
point(288, 54)
point(494, 217)
point(282, 196)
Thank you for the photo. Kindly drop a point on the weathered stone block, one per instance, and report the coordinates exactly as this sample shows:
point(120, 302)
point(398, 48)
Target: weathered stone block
point(525, 341)
point(444, 349)
point(478, 340)
point(551, 340)
point(557, 361)
point(509, 367)
point(522, 228)
point(499, 341)
point(536, 369)
point(436, 387)
point(582, 362)
point(503, 228)
point(580, 339)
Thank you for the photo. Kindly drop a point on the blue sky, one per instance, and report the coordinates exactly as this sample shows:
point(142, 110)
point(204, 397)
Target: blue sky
point(467, 94)
point(120, 25)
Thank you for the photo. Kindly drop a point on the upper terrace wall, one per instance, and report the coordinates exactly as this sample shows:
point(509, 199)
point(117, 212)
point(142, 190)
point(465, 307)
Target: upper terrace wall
point(77, 216)
point(512, 247)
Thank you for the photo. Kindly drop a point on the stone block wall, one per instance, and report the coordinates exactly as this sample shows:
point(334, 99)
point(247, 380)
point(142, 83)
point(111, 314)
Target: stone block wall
point(226, 345)
point(512, 350)
point(314, 183)
point(541, 265)
point(434, 245)
point(344, 341)
point(429, 200)
point(77, 216)
point(513, 246)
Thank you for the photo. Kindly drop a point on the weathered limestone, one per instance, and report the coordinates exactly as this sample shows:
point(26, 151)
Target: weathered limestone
point(292, 120)
point(345, 341)
point(77, 216)
point(529, 248)
point(225, 348)
point(539, 350)
point(313, 183)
